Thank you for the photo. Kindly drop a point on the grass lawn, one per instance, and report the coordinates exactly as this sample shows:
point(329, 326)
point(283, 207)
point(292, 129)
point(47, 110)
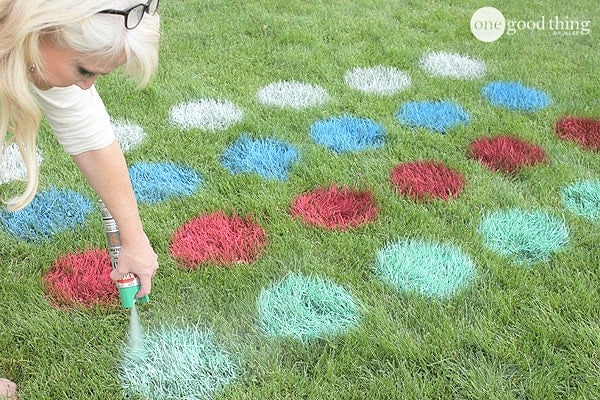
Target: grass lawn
point(515, 330)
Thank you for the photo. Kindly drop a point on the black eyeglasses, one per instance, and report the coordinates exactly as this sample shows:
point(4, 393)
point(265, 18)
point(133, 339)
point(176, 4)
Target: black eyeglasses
point(133, 15)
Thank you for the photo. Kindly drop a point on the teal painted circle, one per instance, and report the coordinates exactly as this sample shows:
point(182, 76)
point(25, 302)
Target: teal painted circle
point(524, 236)
point(306, 308)
point(583, 198)
point(176, 363)
point(432, 269)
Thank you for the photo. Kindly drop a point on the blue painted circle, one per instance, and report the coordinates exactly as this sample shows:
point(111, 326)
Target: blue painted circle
point(438, 116)
point(156, 182)
point(515, 96)
point(347, 134)
point(267, 157)
point(50, 212)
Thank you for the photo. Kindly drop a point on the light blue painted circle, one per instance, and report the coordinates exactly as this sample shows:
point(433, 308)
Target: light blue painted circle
point(583, 198)
point(177, 363)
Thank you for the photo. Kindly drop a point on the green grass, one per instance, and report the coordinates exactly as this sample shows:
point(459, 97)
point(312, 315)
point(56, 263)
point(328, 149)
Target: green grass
point(513, 333)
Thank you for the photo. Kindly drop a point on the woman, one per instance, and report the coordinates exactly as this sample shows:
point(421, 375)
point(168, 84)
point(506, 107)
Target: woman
point(51, 52)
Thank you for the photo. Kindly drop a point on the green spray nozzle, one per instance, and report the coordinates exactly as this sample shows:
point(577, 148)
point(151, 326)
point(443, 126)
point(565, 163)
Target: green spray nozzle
point(127, 296)
point(128, 287)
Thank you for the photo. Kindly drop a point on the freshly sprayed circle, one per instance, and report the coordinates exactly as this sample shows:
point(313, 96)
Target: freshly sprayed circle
point(306, 309)
point(583, 198)
point(378, 80)
point(217, 238)
point(177, 363)
point(515, 96)
point(347, 133)
point(269, 158)
point(488, 24)
point(426, 180)
point(50, 212)
point(428, 268)
point(506, 153)
point(438, 116)
point(12, 166)
point(206, 114)
point(128, 135)
point(452, 65)
point(81, 279)
point(524, 236)
point(335, 208)
point(292, 94)
point(157, 182)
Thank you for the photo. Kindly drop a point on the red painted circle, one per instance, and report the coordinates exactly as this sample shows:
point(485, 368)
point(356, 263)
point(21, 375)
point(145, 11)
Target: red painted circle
point(81, 279)
point(219, 239)
point(506, 153)
point(425, 180)
point(583, 131)
point(335, 208)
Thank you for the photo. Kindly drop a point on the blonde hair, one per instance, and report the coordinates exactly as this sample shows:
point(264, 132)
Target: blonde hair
point(70, 24)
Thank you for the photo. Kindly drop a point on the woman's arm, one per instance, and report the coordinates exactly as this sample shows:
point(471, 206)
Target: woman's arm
point(106, 172)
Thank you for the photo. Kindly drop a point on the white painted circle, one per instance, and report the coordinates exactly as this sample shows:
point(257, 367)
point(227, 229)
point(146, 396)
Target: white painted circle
point(452, 65)
point(292, 94)
point(12, 165)
point(206, 114)
point(379, 80)
point(128, 135)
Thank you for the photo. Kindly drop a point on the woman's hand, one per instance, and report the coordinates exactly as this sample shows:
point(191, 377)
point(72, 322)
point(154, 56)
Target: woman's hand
point(139, 259)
